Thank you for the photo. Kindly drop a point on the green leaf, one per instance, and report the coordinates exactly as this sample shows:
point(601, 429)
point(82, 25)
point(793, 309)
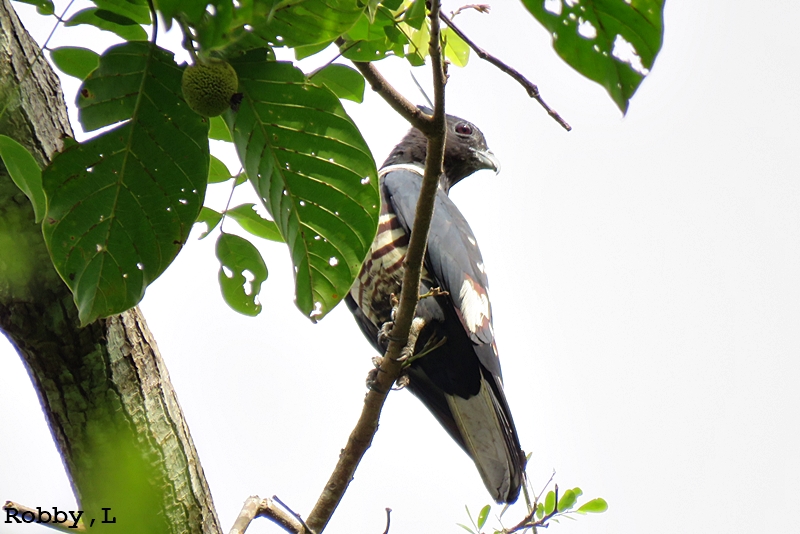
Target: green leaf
point(595, 506)
point(465, 527)
point(210, 218)
point(483, 516)
point(192, 10)
point(302, 52)
point(342, 80)
point(371, 41)
point(456, 50)
point(116, 18)
point(219, 130)
point(238, 258)
point(567, 501)
point(307, 23)
point(75, 61)
point(314, 173)
point(92, 16)
point(577, 491)
point(540, 510)
point(24, 172)
point(218, 172)
point(416, 14)
point(250, 220)
point(121, 205)
point(595, 36)
point(138, 12)
point(43, 7)
point(418, 46)
point(549, 502)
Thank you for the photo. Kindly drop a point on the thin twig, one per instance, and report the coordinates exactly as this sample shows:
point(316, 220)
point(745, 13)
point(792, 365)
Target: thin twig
point(249, 511)
point(79, 526)
point(295, 514)
point(255, 506)
point(433, 127)
point(480, 8)
point(153, 14)
point(388, 520)
point(526, 523)
point(529, 86)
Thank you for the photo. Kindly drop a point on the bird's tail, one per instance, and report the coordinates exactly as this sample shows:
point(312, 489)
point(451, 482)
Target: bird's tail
point(485, 425)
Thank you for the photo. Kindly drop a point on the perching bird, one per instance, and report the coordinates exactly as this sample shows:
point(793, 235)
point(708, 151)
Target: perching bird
point(457, 375)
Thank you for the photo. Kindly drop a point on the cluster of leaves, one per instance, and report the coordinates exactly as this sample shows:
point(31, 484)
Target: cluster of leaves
point(540, 512)
point(611, 43)
point(117, 209)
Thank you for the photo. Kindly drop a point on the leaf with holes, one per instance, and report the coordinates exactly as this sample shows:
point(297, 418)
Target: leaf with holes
point(251, 221)
point(239, 258)
point(210, 218)
point(121, 205)
point(611, 42)
point(313, 172)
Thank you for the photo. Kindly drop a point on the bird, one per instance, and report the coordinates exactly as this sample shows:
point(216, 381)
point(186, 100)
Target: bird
point(455, 368)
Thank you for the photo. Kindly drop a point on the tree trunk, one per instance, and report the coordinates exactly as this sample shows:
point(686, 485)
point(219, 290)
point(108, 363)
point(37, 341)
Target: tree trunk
point(104, 388)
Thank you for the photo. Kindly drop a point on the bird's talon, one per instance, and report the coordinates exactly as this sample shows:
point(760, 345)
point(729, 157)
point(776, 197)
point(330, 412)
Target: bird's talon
point(372, 381)
point(434, 292)
point(401, 383)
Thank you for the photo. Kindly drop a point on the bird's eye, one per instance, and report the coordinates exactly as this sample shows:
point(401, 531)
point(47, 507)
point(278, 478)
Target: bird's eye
point(463, 128)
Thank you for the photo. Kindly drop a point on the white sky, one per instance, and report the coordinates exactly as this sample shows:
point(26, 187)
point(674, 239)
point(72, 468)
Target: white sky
point(645, 282)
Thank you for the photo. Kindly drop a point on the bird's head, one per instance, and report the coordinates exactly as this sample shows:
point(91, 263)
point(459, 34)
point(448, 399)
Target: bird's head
point(465, 151)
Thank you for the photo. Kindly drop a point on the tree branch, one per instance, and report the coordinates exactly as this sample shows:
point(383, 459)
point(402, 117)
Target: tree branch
point(404, 107)
point(104, 388)
point(255, 506)
point(529, 86)
point(361, 436)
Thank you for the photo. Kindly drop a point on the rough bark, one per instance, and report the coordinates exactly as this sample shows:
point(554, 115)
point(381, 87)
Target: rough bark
point(104, 388)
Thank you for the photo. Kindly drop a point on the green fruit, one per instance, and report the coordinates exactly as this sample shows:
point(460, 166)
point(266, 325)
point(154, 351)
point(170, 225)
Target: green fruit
point(208, 87)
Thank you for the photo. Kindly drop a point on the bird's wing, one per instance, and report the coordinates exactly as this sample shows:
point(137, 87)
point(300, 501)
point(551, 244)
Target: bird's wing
point(465, 397)
point(453, 260)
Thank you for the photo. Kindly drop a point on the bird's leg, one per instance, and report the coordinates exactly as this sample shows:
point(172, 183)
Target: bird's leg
point(385, 332)
point(407, 362)
point(407, 352)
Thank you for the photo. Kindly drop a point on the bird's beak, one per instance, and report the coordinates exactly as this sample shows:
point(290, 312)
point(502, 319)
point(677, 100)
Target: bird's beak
point(488, 160)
